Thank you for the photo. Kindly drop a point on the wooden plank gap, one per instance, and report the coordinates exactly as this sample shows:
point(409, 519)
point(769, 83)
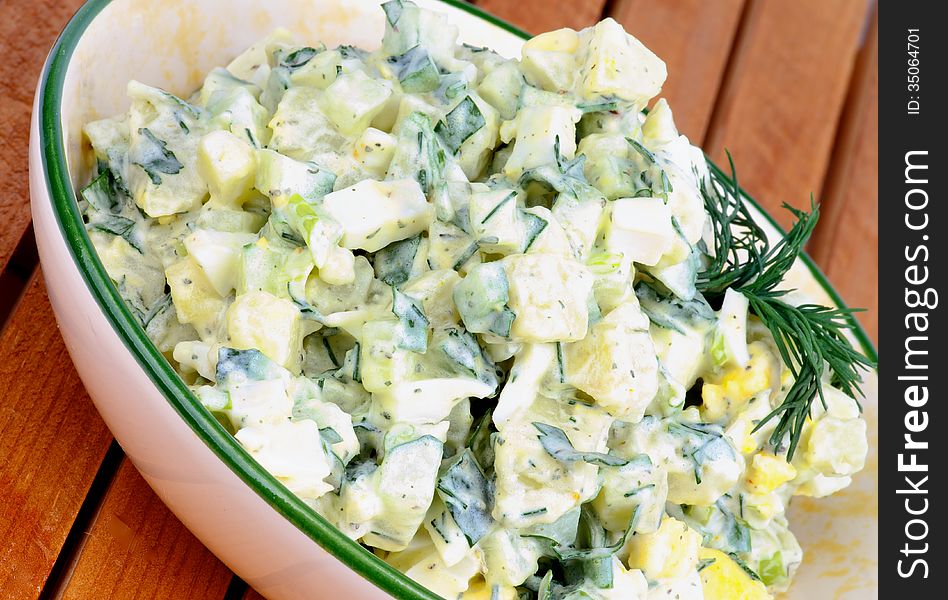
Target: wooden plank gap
point(846, 241)
point(253, 594)
point(16, 276)
point(734, 59)
point(237, 589)
point(52, 443)
point(608, 9)
point(88, 513)
point(137, 548)
point(852, 118)
point(779, 107)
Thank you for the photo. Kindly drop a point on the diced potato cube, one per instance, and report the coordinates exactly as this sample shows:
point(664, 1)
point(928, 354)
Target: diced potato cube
point(218, 253)
point(448, 582)
point(320, 71)
point(434, 290)
point(475, 151)
point(254, 403)
point(659, 127)
point(252, 63)
point(615, 363)
point(509, 559)
point(533, 487)
point(501, 87)
point(301, 129)
point(641, 228)
point(373, 151)
point(271, 325)
point(293, 453)
point(404, 483)
point(550, 297)
point(495, 221)
point(617, 64)
point(195, 299)
point(353, 100)
point(634, 490)
point(607, 164)
point(480, 590)
point(837, 447)
point(228, 166)
point(668, 553)
point(373, 214)
point(720, 471)
point(197, 357)
point(539, 130)
point(161, 153)
point(549, 59)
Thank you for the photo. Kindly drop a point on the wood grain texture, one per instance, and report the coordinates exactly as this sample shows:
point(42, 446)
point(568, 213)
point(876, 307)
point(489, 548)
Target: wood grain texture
point(23, 57)
point(694, 38)
point(51, 444)
point(136, 548)
point(782, 96)
point(538, 16)
point(846, 243)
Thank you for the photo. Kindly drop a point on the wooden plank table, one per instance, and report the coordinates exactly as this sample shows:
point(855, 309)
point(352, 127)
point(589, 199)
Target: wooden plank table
point(788, 87)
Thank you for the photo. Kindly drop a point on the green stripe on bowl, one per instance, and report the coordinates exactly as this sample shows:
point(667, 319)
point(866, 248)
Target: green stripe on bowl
point(206, 427)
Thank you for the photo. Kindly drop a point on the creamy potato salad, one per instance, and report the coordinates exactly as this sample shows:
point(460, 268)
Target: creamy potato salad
point(448, 299)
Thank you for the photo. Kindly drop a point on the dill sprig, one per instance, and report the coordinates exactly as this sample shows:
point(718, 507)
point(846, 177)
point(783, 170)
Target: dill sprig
point(739, 242)
point(810, 338)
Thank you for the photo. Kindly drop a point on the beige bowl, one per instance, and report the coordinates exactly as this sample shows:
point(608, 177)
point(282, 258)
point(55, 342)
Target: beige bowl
point(250, 521)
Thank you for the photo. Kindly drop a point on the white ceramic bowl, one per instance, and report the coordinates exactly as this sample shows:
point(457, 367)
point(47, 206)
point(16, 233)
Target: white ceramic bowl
point(249, 520)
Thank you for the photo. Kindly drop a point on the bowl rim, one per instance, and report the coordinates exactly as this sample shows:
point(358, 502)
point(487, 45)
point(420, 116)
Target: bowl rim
point(62, 195)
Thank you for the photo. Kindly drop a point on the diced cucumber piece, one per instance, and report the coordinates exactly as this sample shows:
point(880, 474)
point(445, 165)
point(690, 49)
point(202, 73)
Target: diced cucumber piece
point(412, 322)
point(549, 60)
point(405, 483)
point(395, 263)
point(465, 491)
point(415, 70)
point(281, 176)
point(481, 298)
point(501, 88)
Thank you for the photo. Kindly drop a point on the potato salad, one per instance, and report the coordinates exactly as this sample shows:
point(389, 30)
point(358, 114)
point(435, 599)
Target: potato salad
point(452, 301)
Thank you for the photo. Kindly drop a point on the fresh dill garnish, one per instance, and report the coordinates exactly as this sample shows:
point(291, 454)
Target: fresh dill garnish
point(809, 337)
point(739, 242)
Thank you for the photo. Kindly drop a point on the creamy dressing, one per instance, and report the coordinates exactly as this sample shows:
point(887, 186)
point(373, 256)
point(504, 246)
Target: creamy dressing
point(448, 299)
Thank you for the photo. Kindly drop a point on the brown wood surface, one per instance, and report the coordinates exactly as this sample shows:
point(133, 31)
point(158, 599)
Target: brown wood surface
point(847, 241)
point(694, 38)
point(23, 58)
point(137, 548)
point(789, 87)
point(782, 96)
point(51, 444)
point(537, 16)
